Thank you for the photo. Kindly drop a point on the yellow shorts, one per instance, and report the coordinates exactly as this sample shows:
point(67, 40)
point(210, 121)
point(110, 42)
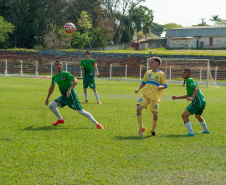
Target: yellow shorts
point(144, 101)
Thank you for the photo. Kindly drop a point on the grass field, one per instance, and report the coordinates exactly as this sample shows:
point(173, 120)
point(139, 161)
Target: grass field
point(155, 51)
point(163, 51)
point(32, 151)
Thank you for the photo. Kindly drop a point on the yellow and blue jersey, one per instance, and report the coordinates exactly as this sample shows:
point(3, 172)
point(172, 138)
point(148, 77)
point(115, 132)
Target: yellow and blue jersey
point(152, 80)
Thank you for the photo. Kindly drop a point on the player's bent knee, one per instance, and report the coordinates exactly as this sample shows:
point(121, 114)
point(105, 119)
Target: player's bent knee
point(53, 105)
point(184, 116)
point(197, 116)
point(139, 108)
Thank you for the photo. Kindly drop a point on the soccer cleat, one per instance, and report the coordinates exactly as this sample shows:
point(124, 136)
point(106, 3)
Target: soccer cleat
point(98, 102)
point(204, 132)
point(152, 133)
point(189, 134)
point(99, 126)
point(140, 132)
point(86, 101)
point(58, 122)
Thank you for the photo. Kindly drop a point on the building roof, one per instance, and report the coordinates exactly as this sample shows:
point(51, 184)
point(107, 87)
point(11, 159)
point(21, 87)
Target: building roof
point(199, 31)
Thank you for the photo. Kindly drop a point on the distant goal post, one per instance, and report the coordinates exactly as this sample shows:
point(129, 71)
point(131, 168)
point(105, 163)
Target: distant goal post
point(201, 69)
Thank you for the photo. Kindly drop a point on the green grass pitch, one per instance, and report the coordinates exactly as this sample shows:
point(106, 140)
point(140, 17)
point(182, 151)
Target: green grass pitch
point(32, 151)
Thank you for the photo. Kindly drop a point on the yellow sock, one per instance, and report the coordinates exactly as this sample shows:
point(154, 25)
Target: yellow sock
point(140, 121)
point(154, 124)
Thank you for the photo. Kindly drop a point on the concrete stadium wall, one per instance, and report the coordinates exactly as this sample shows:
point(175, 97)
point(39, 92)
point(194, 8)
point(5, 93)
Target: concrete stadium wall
point(153, 44)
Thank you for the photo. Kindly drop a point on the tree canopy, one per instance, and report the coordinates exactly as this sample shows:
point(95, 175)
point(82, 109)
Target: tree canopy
point(39, 23)
point(171, 26)
point(5, 29)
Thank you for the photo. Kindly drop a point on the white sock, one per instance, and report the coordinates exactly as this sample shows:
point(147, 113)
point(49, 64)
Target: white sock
point(189, 127)
point(203, 124)
point(86, 96)
point(53, 108)
point(97, 97)
point(88, 115)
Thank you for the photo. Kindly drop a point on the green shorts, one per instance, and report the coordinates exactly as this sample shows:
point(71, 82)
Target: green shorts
point(71, 102)
point(193, 109)
point(89, 82)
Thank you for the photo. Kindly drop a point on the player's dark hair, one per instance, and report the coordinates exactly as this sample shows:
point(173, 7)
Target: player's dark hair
point(57, 61)
point(187, 69)
point(87, 52)
point(157, 59)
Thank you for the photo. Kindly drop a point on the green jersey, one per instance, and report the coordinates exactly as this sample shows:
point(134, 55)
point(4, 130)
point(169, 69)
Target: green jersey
point(199, 99)
point(88, 67)
point(64, 81)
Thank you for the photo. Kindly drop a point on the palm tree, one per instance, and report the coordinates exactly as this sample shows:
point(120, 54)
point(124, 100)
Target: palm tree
point(215, 18)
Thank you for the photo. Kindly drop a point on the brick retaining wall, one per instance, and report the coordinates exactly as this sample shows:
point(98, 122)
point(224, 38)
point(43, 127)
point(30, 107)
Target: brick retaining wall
point(104, 60)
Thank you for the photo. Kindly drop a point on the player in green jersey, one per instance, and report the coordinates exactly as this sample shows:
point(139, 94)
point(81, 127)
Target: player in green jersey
point(66, 83)
point(88, 80)
point(197, 105)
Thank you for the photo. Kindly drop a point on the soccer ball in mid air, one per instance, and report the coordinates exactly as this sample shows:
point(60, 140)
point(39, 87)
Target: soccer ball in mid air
point(69, 28)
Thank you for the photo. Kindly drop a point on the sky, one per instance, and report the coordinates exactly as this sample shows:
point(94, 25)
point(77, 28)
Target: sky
point(186, 13)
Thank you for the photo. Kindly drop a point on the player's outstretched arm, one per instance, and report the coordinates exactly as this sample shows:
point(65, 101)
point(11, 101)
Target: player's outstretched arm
point(180, 97)
point(51, 89)
point(74, 83)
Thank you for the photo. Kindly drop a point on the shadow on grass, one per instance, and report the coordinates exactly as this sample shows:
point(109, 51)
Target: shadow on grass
point(50, 128)
point(5, 139)
point(47, 128)
point(131, 137)
point(145, 137)
point(174, 135)
point(92, 103)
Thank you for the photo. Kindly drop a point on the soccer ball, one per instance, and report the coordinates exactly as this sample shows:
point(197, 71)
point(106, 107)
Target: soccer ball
point(69, 28)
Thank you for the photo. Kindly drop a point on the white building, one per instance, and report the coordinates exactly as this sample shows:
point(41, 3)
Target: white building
point(196, 37)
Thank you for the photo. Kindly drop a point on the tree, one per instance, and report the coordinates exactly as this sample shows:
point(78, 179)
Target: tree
point(215, 19)
point(98, 37)
point(5, 29)
point(221, 22)
point(118, 11)
point(157, 29)
point(33, 19)
point(171, 26)
point(84, 25)
point(139, 35)
point(202, 24)
point(142, 18)
point(27, 17)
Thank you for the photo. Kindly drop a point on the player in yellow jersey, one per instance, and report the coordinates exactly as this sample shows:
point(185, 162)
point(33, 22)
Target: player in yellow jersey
point(154, 81)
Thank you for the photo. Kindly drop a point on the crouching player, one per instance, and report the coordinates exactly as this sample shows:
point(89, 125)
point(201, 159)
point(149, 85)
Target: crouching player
point(154, 81)
point(66, 83)
point(197, 105)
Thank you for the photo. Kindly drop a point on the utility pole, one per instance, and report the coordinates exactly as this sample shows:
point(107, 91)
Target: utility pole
point(129, 31)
